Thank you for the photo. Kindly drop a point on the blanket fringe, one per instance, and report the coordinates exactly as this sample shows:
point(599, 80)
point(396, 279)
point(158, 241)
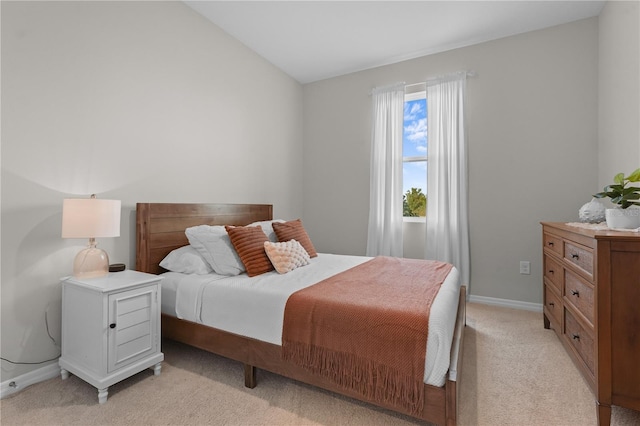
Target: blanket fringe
point(374, 381)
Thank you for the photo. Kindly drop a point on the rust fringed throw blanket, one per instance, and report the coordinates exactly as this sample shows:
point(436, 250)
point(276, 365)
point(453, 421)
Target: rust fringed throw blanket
point(366, 328)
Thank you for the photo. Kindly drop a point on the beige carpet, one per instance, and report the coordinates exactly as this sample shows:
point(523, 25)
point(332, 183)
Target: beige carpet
point(515, 373)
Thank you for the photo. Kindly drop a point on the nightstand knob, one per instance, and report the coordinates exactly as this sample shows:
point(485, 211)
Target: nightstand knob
point(575, 256)
point(575, 293)
point(112, 326)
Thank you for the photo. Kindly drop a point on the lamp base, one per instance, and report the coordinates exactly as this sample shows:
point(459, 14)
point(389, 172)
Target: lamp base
point(91, 262)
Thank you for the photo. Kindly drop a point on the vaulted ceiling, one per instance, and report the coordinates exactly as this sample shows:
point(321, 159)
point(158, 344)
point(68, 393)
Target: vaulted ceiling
point(314, 40)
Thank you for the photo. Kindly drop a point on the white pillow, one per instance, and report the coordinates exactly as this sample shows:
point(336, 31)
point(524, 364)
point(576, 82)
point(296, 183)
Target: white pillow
point(186, 260)
point(214, 245)
point(267, 228)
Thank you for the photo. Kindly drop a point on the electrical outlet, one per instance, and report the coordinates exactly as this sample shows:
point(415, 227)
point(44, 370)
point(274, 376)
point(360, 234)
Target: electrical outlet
point(525, 267)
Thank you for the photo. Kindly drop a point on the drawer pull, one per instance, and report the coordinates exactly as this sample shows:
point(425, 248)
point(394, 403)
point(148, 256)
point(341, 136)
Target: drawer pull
point(575, 256)
point(576, 337)
point(575, 293)
point(552, 304)
point(550, 243)
point(551, 271)
point(112, 326)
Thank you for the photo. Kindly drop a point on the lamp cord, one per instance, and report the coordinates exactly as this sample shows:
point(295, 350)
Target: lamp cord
point(30, 363)
point(46, 323)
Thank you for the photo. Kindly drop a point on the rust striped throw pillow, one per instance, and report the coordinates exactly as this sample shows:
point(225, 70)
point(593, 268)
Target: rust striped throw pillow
point(293, 230)
point(249, 244)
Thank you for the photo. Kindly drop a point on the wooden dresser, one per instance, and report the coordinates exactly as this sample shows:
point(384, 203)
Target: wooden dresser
point(592, 301)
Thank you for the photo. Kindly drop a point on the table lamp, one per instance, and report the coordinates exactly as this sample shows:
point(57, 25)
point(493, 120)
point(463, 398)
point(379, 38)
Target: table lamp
point(90, 218)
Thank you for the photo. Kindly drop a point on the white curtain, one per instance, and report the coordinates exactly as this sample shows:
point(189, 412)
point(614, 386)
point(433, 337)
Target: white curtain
point(447, 212)
point(385, 205)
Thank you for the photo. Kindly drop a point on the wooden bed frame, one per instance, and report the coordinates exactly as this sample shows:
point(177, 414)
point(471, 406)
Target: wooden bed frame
point(160, 229)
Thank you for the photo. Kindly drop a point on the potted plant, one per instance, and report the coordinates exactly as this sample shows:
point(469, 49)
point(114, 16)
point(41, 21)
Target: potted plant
point(626, 197)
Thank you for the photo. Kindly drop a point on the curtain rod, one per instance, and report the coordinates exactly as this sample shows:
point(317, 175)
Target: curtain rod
point(469, 74)
point(398, 85)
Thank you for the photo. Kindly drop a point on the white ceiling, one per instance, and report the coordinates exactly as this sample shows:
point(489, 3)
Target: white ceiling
point(314, 40)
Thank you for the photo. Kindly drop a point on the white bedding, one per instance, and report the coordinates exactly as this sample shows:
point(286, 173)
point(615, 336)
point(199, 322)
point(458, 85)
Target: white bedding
point(254, 307)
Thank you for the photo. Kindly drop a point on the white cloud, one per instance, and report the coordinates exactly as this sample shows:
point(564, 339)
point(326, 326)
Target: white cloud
point(413, 110)
point(417, 131)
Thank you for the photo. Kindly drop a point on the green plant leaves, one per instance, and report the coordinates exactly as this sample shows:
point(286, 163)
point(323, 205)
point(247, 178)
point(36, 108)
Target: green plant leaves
point(635, 176)
point(621, 194)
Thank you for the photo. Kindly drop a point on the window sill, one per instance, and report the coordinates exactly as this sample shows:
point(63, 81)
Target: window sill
point(408, 219)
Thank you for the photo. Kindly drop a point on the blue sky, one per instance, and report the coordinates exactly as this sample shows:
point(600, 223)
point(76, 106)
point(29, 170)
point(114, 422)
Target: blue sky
point(414, 144)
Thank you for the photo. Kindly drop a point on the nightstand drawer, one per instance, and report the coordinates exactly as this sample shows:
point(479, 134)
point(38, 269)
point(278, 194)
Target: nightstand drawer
point(579, 294)
point(580, 257)
point(580, 339)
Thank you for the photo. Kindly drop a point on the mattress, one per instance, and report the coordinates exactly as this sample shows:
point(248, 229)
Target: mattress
point(254, 307)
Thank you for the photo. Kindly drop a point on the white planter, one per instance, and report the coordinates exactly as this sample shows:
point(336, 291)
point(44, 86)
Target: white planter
point(623, 218)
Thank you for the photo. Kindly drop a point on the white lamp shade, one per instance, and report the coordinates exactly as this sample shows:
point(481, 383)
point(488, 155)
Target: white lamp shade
point(90, 218)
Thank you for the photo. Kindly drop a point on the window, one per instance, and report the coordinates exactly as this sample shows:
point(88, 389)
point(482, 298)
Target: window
point(414, 155)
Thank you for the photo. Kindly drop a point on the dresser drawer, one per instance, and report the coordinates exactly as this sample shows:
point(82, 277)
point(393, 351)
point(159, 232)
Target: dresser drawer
point(581, 257)
point(579, 294)
point(553, 243)
point(553, 306)
point(580, 339)
point(553, 272)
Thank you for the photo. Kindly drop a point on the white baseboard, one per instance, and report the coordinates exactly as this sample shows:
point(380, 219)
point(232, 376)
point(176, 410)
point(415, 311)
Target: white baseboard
point(506, 303)
point(16, 384)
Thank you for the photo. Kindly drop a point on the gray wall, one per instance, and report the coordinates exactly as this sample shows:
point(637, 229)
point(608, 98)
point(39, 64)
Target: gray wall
point(136, 101)
point(532, 133)
point(619, 90)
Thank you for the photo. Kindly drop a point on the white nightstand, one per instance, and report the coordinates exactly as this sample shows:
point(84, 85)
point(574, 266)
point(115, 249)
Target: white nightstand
point(110, 328)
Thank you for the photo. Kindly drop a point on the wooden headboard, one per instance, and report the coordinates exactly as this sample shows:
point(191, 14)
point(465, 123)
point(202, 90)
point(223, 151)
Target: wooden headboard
point(160, 226)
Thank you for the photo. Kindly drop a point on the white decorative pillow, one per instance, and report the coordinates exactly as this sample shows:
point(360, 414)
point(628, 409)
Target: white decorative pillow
point(186, 260)
point(287, 256)
point(214, 245)
point(267, 227)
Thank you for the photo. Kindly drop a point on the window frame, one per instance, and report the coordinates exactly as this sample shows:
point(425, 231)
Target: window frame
point(419, 94)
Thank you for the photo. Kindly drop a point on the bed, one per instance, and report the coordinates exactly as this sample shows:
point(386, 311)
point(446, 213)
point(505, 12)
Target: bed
point(160, 229)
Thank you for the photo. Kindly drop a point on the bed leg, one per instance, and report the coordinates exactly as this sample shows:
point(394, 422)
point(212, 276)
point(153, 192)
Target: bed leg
point(249, 376)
